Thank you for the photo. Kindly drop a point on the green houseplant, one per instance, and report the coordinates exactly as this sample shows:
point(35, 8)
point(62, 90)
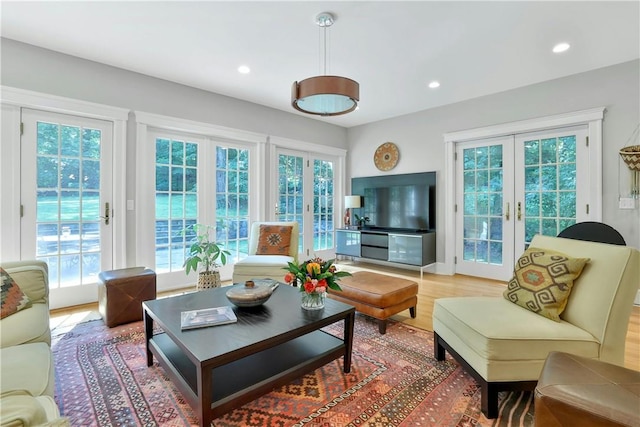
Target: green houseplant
point(204, 255)
point(361, 221)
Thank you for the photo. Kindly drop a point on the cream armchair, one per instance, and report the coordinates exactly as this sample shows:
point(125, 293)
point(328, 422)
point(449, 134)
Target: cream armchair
point(504, 346)
point(266, 266)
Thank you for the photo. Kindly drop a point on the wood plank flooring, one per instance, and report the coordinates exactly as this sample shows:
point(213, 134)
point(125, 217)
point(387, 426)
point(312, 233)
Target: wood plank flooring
point(431, 287)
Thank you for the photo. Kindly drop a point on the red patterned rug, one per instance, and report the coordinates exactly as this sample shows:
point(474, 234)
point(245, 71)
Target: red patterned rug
point(102, 380)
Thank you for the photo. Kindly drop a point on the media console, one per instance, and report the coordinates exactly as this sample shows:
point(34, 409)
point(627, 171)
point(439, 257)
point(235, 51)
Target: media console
point(401, 247)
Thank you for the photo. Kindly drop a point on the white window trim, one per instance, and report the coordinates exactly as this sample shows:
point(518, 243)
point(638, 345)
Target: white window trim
point(591, 117)
point(13, 100)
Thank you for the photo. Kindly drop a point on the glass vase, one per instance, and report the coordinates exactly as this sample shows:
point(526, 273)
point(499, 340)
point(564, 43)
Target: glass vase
point(313, 300)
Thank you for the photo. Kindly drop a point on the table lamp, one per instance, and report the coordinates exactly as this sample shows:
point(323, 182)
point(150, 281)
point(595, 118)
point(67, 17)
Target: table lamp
point(350, 202)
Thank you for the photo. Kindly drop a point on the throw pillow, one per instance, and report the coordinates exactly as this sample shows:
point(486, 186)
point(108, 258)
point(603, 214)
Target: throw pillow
point(274, 240)
point(542, 281)
point(13, 299)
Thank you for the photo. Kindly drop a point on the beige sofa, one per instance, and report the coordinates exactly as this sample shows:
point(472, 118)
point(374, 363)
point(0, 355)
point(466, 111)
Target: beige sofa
point(26, 361)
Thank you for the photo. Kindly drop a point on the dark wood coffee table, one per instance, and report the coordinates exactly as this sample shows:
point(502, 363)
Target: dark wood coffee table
point(220, 368)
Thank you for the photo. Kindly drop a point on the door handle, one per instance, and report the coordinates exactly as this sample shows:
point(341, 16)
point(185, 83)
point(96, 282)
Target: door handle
point(106, 216)
point(507, 214)
point(519, 211)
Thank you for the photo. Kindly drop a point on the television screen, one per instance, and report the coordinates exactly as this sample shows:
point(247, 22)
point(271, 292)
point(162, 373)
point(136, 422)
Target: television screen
point(403, 207)
point(401, 202)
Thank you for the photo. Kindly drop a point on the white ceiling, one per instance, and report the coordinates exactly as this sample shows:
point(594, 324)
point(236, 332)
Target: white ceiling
point(393, 49)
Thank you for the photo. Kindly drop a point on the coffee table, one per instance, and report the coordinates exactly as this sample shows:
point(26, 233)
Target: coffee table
point(222, 367)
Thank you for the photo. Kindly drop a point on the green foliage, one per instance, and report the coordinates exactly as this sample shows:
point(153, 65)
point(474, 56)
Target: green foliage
point(204, 252)
point(361, 220)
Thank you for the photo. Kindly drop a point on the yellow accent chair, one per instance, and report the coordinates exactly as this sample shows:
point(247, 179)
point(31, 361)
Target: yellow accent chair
point(256, 266)
point(504, 346)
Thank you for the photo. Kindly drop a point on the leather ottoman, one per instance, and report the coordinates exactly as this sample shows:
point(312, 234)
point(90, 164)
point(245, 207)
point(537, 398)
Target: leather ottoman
point(377, 295)
point(121, 293)
point(577, 391)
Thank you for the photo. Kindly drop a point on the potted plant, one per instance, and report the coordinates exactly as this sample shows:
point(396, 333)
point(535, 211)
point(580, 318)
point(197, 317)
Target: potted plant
point(205, 255)
point(361, 221)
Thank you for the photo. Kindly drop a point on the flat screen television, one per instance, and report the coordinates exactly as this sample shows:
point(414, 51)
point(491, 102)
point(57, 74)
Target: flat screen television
point(398, 202)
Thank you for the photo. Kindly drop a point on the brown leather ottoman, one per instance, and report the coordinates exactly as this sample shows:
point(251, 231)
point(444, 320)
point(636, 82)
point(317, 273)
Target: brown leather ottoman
point(576, 391)
point(121, 293)
point(377, 295)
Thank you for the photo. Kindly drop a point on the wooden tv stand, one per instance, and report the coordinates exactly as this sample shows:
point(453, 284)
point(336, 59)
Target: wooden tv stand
point(402, 247)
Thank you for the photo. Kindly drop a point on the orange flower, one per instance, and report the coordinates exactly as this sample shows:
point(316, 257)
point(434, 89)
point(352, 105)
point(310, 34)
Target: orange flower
point(313, 268)
point(309, 287)
point(289, 277)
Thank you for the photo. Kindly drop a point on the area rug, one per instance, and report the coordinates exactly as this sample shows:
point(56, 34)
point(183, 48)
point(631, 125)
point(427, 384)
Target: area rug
point(102, 380)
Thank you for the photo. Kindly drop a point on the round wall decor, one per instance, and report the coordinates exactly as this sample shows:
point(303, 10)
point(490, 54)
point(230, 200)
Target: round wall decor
point(386, 156)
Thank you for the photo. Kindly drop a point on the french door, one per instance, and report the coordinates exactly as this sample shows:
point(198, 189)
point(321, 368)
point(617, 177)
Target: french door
point(305, 193)
point(511, 188)
point(66, 197)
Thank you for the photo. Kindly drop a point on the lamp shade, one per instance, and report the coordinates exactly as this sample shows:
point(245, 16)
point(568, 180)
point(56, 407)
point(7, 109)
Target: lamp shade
point(352, 202)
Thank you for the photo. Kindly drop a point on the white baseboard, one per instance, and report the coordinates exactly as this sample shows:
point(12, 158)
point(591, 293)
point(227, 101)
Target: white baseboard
point(637, 300)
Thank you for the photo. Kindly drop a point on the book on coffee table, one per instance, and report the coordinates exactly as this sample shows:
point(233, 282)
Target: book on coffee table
point(204, 317)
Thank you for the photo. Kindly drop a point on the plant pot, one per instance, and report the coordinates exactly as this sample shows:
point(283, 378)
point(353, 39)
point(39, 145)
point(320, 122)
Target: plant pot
point(208, 280)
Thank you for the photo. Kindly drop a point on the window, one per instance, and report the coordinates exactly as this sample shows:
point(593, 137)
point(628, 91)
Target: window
point(176, 202)
point(232, 200)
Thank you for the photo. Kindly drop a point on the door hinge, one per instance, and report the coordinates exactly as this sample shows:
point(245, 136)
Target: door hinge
point(21, 128)
point(307, 252)
point(455, 156)
point(587, 140)
point(307, 208)
point(307, 163)
point(455, 259)
point(587, 208)
point(21, 211)
point(455, 207)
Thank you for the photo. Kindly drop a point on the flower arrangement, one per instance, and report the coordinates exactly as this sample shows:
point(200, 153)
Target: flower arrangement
point(314, 277)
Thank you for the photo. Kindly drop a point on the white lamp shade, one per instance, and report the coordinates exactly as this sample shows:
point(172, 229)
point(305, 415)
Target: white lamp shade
point(352, 202)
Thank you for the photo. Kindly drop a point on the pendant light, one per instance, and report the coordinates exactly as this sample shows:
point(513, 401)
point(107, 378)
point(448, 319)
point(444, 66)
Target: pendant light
point(325, 95)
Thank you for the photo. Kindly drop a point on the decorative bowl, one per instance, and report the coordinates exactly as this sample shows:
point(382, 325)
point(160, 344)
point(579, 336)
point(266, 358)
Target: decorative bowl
point(252, 293)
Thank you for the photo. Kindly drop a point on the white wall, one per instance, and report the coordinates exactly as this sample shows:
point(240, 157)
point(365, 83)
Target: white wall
point(29, 67)
point(419, 136)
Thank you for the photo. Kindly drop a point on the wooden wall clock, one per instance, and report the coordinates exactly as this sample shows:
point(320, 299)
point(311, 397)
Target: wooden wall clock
point(386, 156)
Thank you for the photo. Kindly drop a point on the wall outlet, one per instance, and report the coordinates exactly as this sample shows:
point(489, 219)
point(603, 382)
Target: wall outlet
point(627, 203)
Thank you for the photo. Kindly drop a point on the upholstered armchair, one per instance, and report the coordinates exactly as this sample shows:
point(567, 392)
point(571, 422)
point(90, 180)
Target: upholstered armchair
point(272, 245)
point(504, 345)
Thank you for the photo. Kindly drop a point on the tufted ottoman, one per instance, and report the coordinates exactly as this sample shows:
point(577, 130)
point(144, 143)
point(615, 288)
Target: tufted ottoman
point(121, 293)
point(377, 295)
point(578, 391)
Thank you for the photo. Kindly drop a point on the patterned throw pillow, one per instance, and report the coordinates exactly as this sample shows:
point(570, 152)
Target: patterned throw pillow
point(542, 281)
point(13, 299)
point(274, 240)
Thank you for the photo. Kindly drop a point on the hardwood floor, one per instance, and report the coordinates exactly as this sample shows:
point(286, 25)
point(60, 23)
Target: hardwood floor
point(431, 287)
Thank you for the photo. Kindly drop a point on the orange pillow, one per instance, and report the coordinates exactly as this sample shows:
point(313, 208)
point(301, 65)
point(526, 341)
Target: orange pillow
point(274, 240)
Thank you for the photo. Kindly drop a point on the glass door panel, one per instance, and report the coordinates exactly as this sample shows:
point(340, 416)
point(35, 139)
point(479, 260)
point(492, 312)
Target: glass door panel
point(484, 199)
point(67, 219)
point(323, 190)
point(547, 187)
point(290, 205)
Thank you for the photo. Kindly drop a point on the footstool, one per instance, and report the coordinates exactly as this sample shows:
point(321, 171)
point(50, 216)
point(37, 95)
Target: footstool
point(377, 295)
point(121, 293)
point(577, 391)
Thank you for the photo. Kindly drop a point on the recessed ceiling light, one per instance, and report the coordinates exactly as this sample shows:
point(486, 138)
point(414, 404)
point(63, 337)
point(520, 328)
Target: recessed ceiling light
point(561, 47)
point(243, 69)
point(434, 84)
